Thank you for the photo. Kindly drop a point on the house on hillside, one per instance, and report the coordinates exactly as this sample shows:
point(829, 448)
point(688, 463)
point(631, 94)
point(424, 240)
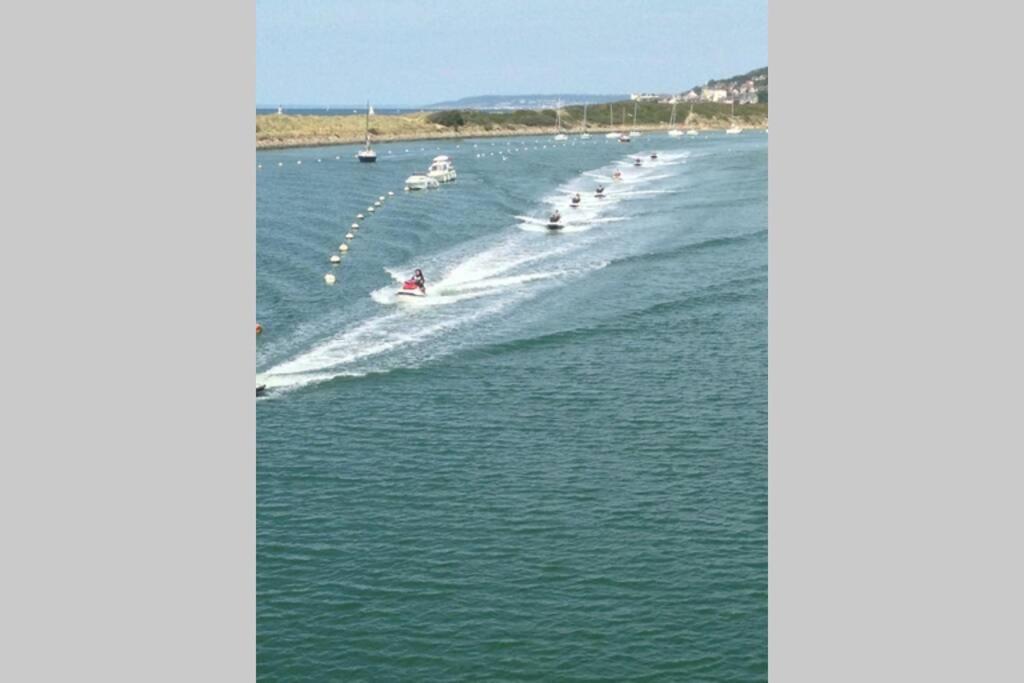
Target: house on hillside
point(644, 97)
point(714, 94)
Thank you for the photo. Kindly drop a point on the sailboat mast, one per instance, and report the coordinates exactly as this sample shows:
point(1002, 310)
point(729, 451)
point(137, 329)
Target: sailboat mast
point(367, 125)
point(584, 117)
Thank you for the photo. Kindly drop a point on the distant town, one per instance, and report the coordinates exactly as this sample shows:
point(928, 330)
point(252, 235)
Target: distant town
point(748, 88)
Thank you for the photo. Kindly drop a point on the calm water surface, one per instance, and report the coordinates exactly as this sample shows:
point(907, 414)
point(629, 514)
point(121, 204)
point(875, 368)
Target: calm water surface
point(553, 468)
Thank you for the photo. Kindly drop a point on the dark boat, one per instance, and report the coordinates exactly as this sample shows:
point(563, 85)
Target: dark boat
point(261, 389)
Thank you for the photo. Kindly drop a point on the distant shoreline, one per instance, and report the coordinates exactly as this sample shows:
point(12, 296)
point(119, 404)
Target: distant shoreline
point(329, 141)
point(275, 131)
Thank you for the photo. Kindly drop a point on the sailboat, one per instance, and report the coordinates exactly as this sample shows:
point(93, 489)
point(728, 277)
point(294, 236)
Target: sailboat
point(734, 129)
point(558, 118)
point(366, 154)
point(691, 131)
point(611, 122)
point(672, 130)
point(584, 135)
point(625, 136)
point(633, 133)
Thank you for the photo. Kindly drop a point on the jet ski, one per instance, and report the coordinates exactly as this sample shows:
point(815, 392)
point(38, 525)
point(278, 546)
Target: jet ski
point(617, 175)
point(575, 201)
point(261, 389)
point(410, 290)
point(654, 155)
point(555, 221)
point(599, 192)
point(637, 162)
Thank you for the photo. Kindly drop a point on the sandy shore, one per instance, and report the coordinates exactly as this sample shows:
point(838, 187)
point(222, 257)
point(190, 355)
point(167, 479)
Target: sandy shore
point(318, 141)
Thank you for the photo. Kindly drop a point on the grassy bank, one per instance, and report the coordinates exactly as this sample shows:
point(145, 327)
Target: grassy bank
point(274, 131)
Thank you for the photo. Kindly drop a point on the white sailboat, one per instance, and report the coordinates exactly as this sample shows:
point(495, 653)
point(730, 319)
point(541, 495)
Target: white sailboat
point(733, 129)
point(584, 135)
point(366, 154)
point(672, 130)
point(611, 122)
point(634, 133)
point(559, 136)
point(625, 136)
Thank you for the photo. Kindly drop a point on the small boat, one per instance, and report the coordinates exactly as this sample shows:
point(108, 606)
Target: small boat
point(575, 201)
point(624, 138)
point(692, 132)
point(410, 290)
point(261, 389)
point(555, 221)
point(733, 129)
point(611, 123)
point(599, 192)
point(654, 155)
point(672, 130)
point(584, 135)
point(421, 182)
point(441, 169)
point(638, 162)
point(558, 123)
point(366, 154)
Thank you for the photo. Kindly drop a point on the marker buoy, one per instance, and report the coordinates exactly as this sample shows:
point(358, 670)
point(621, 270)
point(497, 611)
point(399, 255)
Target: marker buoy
point(349, 235)
point(259, 328)
point(370, 209)
point(360, 216)
point(329, 279)
point(343, 247)
point(259, 165)
point(355, 226)
point(391, 194)
point(299, 162)
point(376, 203)
point(380, 198)
point(335, 258)
point(280, 163)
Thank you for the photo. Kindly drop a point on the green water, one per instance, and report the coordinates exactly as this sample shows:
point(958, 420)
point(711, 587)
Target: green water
point(552, 468)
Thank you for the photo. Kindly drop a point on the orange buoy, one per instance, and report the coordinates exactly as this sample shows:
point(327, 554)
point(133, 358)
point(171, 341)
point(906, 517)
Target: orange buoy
point(259, 328)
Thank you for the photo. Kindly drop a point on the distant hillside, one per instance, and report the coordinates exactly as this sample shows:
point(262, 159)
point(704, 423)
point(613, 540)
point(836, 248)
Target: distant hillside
point(512, 102)
point(758, 76)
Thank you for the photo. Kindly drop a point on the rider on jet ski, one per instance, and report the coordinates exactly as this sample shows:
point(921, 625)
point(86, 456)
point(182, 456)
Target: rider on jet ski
point(417, 277)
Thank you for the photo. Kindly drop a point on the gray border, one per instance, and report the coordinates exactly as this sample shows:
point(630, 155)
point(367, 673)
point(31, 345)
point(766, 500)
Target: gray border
point(894, 509)
point(128, 483)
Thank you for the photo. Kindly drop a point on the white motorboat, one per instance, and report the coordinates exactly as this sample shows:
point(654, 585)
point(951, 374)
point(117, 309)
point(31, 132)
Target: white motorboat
point(366, 154)
point(692, 132)
point(421, 182)
point(624, 137)
point(441, 169)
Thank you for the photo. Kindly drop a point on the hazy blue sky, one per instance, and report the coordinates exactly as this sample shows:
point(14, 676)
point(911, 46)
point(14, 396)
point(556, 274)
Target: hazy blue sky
point(413, 52)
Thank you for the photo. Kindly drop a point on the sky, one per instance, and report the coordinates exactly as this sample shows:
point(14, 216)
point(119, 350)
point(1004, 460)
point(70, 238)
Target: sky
point(417, 52)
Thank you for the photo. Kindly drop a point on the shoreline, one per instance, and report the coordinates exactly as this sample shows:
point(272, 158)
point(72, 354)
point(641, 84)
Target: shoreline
point(328, 141)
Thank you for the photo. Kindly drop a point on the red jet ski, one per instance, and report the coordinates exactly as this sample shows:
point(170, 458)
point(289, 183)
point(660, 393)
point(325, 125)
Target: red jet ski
point(410, 289)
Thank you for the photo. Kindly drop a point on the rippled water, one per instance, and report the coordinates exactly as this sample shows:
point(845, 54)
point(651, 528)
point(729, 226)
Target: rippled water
point(552, 468)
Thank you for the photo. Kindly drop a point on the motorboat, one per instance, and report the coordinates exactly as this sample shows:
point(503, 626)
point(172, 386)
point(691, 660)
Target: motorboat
point(366, 154)
point(575, 201)
point(612, 136)
point(692, 132)
point(441, 169)
point(624, 137)
point(555, 221)
point(411, 290)
point(734, 130)
point(675, 132)
point(421, 182)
